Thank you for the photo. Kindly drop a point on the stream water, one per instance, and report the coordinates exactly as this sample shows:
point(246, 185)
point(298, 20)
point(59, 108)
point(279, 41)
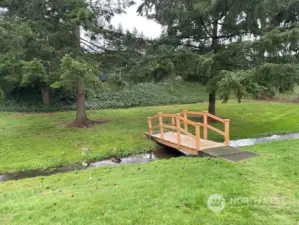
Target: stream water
point(254, 141)
point(160, 153)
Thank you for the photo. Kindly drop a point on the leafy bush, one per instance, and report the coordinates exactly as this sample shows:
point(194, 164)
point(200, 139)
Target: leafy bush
point(143, 94)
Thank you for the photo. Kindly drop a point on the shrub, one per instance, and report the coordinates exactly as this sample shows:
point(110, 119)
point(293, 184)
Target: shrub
point(137, 95)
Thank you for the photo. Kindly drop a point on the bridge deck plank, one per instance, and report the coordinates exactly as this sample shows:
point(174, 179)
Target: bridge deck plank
point(188, 141)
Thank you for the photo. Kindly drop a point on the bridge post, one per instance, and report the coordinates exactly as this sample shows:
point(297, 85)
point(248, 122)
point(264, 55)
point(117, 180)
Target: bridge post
point(178, 126)
point(197, 133)
point(186, 117)
point(173, 123)
point(161, 124)
point(205, 125)
point(150, 127)
point(226, 131)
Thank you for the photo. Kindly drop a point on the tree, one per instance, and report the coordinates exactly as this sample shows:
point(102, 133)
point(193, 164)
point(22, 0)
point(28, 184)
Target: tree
point(61, 28)
point(79, 75)
point(14, 36)
point(19, 66)
point(37, 48)
point(227, 43)
point(34, 73)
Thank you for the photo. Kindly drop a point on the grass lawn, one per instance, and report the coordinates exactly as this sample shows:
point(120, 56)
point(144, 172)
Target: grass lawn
point(168, 191)
point(41, 141)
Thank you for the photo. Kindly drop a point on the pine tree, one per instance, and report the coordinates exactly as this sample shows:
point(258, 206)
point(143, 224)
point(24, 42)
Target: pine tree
point(57, 30)
point(232, 46)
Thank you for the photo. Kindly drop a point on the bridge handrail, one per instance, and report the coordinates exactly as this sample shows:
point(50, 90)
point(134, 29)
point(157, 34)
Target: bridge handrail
point(180, 130)
point(187, 121)
point(206, 115)
point(174, 128)
point(176, 120)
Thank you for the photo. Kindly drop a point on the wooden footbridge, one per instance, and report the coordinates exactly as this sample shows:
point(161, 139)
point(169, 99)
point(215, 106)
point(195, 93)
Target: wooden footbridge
point(191, 138)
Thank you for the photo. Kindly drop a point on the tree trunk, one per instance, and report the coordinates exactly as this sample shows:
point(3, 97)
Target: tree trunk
point(214, 46)
point(18, 94)
point(81, 118)
point(77, 36)
point(46, 95)
point(212, 103)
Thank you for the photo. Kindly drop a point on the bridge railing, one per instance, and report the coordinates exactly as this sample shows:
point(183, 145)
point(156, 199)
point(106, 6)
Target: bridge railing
point(179, 130)
point(183, 119)
point(206, 115)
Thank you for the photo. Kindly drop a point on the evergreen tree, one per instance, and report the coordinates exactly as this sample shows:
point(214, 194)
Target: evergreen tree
point(14, 37)
point(57, 31)
point(232, 46)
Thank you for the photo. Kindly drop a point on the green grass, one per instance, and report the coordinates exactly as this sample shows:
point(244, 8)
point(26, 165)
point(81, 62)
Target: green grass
point(41, 141)
point(164, 192)
point(171, 191)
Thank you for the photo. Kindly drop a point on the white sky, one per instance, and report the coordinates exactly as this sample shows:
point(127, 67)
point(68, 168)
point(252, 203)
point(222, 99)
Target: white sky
point(131, 19)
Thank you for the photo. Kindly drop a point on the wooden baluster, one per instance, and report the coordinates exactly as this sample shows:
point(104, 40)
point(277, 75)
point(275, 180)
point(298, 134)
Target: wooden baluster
point(161, 125)
point(226, 130)
point(205, 125)
point(150, 126)
point(197, 133)
point(173, 123)
point(186, 117)
point(178, 126)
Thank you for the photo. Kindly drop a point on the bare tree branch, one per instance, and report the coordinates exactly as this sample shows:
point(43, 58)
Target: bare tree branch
point(204, 26)
point(227, 7)
point(90, 47)
point(91, 43)
point(231, 35)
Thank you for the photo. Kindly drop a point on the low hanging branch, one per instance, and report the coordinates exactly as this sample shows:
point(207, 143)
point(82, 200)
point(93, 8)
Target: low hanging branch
point(93, 49)
point(84, 41)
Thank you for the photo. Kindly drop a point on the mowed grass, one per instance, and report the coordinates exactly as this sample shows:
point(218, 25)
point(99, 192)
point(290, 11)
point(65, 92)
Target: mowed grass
point(164, 192)
point(41, 141)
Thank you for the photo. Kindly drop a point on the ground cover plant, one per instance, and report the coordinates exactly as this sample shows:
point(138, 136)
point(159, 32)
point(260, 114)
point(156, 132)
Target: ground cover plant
point(114, 96)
